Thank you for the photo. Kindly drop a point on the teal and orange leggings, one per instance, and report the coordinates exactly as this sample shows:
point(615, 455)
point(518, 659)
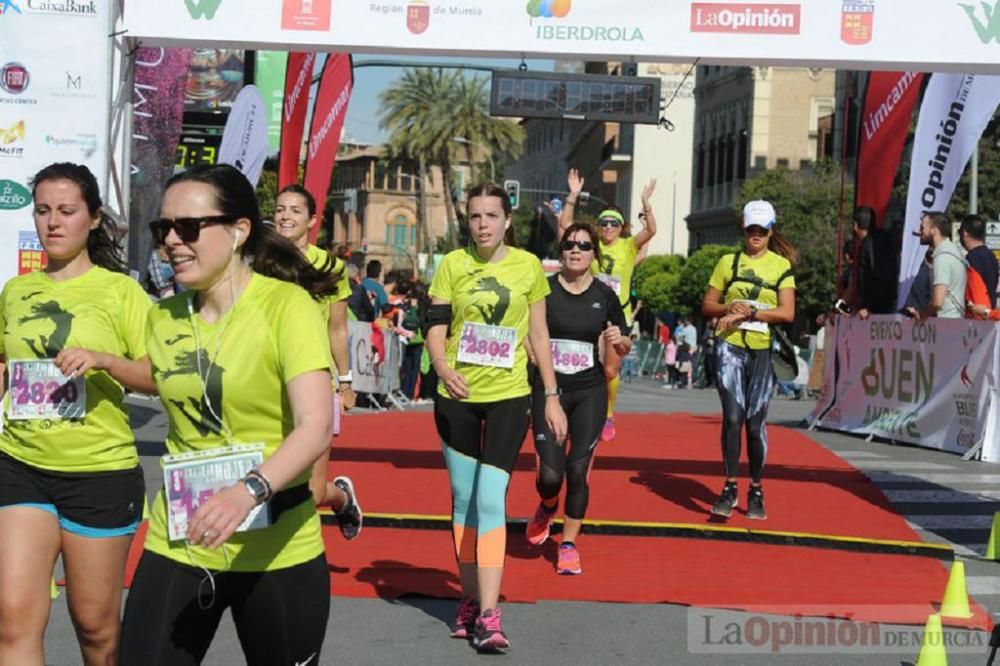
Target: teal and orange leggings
point(481, 442)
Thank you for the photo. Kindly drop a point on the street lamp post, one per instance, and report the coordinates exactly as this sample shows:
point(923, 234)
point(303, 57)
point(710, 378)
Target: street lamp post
point(489, 154)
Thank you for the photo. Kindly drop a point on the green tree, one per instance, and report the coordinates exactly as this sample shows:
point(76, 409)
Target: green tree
point(426, 109)
point(989, 177)
point(653, 266)
point(807, 202)
point(693, 279)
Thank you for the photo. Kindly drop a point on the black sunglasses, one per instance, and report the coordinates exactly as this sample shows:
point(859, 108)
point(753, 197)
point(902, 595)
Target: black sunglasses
point(584, 246)
point(609, 222)
point(188, 228)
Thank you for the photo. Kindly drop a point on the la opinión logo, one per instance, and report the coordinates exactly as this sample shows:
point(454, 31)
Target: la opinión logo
point(988, 29)
point(202, 8)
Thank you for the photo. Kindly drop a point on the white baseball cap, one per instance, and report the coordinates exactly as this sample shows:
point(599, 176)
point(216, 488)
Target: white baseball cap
point(758, 214)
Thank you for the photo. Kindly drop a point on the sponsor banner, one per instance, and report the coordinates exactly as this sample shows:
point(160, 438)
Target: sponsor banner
point(953, 116)
point(370, 372)
point(270, 76)
point(329, 112)
point(55, 106)
point(31, 255)
point(244, 140)
point(298, 76)
point(930, 383)
point(157, 116)
point(885, 124)
point(845, 34)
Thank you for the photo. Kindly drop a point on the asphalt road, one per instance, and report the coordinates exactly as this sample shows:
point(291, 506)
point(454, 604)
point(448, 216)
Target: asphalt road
point(944, 498)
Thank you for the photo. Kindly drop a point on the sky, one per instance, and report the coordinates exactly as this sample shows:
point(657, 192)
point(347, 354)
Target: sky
point(361, 124)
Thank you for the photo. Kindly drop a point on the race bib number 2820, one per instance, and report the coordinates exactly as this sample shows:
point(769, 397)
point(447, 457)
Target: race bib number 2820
point(38, 390)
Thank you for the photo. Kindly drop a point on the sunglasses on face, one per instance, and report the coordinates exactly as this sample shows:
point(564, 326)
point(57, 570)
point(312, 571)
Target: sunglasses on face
point(583, 246)
point(608, 222)
point(188, 229)
point(755, 231)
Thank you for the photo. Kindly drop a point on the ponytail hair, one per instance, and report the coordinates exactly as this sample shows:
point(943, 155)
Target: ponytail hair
point(494, 190)
point(268, 252)
point(103, 242)
point(781, 245)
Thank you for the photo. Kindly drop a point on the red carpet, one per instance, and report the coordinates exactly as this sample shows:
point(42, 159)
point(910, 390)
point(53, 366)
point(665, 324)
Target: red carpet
point(664, 469)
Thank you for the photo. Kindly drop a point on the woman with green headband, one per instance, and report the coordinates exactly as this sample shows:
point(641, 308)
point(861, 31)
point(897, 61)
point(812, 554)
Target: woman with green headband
point(620, 253)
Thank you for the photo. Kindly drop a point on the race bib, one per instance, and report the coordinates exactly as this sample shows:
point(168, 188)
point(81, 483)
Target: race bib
point(39, 391)
point(189, 479)
point(492, 346)
point(755, 326)
point(571, 356)
point(612, 281)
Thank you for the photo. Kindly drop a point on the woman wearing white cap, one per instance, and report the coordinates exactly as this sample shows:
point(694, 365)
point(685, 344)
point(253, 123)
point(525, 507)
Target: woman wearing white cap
point(749, 291)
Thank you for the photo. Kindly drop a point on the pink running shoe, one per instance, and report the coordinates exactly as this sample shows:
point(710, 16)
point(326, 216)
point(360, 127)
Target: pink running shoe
point(465, 619)
point(489, 633)
point(537, 531)
point(608, 432)
point(569, 561)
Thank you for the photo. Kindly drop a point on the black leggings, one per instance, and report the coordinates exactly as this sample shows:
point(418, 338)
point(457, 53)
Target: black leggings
point(280, 615)
point(586, 410)
point(745, 379)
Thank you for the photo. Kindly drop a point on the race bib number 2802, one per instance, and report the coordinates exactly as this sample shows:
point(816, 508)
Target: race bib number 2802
point(492, 346)
point(38, 391)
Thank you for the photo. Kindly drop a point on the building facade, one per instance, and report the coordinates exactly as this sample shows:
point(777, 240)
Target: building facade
point(749, 120)
point(376, 203)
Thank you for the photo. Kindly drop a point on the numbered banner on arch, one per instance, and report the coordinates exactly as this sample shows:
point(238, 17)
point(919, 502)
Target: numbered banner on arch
point(929, 383)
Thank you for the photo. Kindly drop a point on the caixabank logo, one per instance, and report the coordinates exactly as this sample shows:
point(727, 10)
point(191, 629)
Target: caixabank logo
point(62, 7)
point(571, 31)
point(9, 7)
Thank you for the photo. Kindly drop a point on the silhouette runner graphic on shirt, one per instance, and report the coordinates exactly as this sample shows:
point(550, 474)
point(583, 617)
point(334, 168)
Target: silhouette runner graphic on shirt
point(492, 314)
point(49, 311)
point(753, 291)
point(198, 409)
point(607, 264)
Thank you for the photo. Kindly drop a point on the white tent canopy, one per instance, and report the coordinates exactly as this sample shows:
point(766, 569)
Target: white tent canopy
point(923, 35)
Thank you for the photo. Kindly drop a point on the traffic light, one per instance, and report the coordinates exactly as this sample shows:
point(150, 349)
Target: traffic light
point(513, 189)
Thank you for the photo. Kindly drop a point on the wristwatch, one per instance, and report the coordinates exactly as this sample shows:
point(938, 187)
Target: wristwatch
point(256, 487)
point(345, 379)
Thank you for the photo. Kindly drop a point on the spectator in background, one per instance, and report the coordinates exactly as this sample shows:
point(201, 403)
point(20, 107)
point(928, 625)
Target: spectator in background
point(161, 274)
point(628, 371)
point(845, 274)
point(687, 334)
point(708, 349)
point(972, 235)
point(948, 272)
point(416, 303)
point(670, 360)
point(920, 291)
point(373, 283)
point(359, 303)
point(876, 265)
point(796, 388)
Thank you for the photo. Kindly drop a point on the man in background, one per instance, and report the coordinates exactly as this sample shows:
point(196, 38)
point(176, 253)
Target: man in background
point(972, 235)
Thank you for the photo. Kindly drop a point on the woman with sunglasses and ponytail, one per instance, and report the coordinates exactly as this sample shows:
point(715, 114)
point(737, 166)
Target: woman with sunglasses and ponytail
point(486, 299)
point(581, 312)
point(620, 252)
point(242, 365)
point(70, 480)
point(749, 292)
point(294, 218)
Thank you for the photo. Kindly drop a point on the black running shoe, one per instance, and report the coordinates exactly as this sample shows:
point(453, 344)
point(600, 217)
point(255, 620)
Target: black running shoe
point(350, 518)
point(727, 500)
point(755, 503)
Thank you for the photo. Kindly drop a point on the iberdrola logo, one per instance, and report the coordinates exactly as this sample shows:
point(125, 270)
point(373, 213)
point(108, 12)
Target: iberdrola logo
point(549, 8)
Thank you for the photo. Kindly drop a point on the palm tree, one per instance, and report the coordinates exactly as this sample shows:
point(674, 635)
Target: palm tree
point(427, 108)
